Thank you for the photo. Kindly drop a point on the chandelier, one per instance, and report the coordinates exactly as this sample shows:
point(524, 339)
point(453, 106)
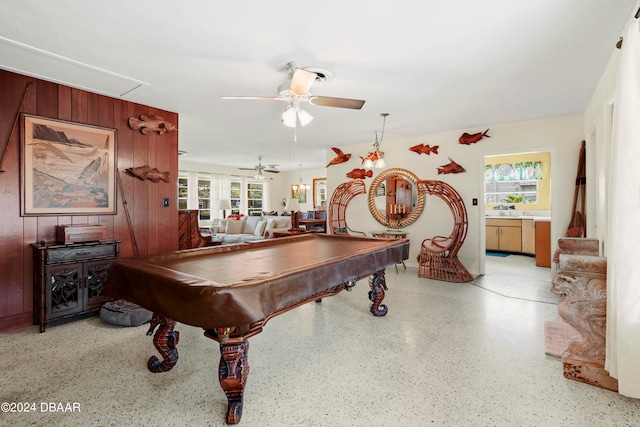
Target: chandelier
point(299, 189)
point(375, 158)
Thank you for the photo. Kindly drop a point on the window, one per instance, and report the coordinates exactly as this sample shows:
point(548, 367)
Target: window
point(236, 194)
point(183, 192)
point(512, 182)
point(204, 199)
point(254, 198)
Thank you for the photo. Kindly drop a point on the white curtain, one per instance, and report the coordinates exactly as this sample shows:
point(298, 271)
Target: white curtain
point(623, 257)
point(220, 189)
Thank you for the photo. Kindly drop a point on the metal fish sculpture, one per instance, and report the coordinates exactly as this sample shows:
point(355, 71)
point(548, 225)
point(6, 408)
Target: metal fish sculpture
point(151, 124)
point(340, 157)
point(452, 167)
point(467, 139)
point(424, 149)
point(360, 173)
point(145, 172)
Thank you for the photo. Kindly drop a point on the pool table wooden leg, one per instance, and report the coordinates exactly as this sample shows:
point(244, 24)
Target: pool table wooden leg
point(233, 372)
point(164, 340)
point(378, 285)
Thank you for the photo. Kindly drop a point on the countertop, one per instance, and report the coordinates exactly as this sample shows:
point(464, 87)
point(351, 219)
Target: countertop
point(535, 218)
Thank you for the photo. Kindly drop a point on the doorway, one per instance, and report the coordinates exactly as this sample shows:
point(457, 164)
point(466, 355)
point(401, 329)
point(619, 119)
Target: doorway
point(517, 194)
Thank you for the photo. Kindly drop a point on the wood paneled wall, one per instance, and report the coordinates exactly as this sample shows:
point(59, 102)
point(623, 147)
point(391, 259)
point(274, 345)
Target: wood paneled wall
point(153, 227)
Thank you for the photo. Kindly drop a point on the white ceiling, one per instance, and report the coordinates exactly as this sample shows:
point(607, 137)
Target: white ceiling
point(434, 65)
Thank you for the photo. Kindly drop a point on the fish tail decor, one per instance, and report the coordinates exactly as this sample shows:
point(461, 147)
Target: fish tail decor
point(467, 139)
point(451, 167)
point(151, 124)
point(146, 173)
point(424, 149)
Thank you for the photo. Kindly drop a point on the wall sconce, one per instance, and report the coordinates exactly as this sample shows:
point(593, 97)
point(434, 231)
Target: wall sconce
point(376, 157)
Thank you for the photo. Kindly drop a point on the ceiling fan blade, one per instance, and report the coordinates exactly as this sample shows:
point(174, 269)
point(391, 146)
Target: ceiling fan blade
point(301, 81)
point(328, 101)
point(271, 171)
point(248, 169)
point(273, 98)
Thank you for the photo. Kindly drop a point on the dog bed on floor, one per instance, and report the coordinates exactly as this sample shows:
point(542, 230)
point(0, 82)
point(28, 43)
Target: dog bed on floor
point(124, 313)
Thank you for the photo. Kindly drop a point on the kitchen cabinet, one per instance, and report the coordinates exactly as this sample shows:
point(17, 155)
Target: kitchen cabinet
point(504, 235)
point(528, 236)
point(68, 279)
point(543, 243)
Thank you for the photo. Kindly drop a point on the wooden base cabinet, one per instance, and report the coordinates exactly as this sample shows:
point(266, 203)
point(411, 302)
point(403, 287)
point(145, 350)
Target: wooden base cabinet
point(543, 244)
point(69, 278)
point(504, 235)
point(528, 237)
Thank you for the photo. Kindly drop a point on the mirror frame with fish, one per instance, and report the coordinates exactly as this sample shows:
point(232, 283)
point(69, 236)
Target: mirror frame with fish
point(417, 199)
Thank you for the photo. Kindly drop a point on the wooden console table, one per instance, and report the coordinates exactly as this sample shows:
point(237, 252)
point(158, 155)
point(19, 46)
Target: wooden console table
point(68, 279)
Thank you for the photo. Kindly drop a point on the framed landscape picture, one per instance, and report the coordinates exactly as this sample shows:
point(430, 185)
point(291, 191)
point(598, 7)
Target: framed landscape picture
point(67, 168)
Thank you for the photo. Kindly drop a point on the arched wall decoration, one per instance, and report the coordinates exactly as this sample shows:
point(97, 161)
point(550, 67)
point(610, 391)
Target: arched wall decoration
point(340, 198)
point(438, 257)
point(385, 219)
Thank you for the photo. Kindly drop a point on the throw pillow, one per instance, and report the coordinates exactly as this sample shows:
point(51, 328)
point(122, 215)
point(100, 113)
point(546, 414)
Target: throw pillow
point(311, 215)
point(234, 226)
point(260, 226)
point(271, 223)
point(282, 222)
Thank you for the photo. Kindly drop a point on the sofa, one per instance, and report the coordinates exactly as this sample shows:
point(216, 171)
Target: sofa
point(248, 228)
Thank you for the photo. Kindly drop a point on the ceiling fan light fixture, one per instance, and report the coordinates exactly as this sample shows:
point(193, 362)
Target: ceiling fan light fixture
point(368, 164)
point(305, 118)
point(289, 117)
point(258, 176)
point(380, 163)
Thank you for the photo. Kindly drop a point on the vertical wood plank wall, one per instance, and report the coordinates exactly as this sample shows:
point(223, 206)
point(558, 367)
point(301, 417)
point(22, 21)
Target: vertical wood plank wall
point(155, 228)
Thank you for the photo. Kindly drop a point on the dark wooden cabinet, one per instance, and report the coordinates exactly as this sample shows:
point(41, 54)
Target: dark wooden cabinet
point(68, 279)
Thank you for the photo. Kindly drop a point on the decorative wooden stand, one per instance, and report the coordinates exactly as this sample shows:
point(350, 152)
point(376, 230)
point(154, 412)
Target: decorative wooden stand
point(233, 369)
point(581, 285)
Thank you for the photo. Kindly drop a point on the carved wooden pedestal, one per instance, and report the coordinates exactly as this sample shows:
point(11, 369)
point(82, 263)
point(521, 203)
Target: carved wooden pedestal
point(581, 285)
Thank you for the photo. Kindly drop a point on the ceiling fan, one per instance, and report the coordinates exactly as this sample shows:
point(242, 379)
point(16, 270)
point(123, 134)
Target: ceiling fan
point(298, 92)
point(259, 168)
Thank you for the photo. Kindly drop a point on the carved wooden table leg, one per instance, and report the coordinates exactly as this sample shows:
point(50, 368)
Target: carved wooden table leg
point(165, 341)
point(378, 285)
point(233, 372)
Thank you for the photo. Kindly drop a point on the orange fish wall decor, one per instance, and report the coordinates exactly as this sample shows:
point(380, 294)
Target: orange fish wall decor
point(360, 173)
point(146, 173)
point(339, 158)
point(151, 124)
point(424, 149)
point(451, 167)
point(467, 139)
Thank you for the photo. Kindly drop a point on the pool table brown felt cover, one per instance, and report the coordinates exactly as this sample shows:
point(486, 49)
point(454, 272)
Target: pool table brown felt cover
point(224, 286)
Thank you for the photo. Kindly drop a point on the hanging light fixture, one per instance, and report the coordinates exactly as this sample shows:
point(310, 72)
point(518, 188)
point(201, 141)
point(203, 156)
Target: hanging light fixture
point(300, 189)
point(259, 175)
point(376, 157)
point(293, 113)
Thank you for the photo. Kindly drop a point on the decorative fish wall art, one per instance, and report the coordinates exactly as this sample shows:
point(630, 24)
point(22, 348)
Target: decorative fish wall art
point(149, 124)
point(451, 167)
point(358, 173)
point(424, 149)
point(146, 173)
point(467, 139)
point(373, 156)
point(339, 158)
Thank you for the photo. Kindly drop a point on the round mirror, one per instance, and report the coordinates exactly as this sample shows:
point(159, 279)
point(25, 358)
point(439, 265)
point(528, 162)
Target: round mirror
point(393, 198)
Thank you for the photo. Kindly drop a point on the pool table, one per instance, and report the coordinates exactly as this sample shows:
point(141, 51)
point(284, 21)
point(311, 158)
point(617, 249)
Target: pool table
point(232, 291)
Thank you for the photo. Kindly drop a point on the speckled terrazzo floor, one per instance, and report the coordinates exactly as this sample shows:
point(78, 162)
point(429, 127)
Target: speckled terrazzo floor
point(445, 355)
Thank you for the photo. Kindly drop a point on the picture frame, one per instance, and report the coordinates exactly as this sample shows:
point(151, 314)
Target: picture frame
point(66, 168)
point(299, 193)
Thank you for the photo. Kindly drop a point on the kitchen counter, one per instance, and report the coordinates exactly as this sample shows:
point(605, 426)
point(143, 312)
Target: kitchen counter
point(525, 217)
